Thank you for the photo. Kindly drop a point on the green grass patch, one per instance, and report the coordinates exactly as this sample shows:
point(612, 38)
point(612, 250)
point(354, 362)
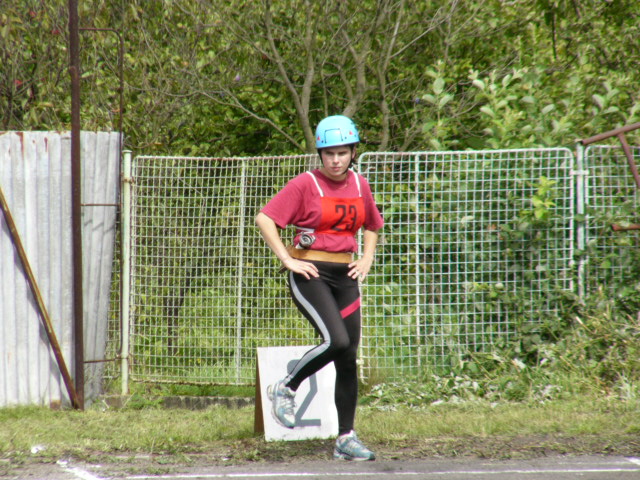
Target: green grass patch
point(593, 424)
point(150, 389)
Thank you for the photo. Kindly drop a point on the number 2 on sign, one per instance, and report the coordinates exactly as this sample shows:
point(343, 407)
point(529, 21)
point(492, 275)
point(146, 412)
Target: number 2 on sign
point(313, 390)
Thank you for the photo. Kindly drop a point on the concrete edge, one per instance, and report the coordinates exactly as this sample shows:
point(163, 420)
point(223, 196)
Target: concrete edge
point(186, 402)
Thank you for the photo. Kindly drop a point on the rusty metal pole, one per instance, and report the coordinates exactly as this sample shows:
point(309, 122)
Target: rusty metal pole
point(625, 228)
point(76, 199)
point(629, 154)
point(42, 309)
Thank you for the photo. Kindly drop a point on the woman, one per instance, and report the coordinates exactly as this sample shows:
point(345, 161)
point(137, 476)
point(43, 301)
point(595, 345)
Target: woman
point(328, 206)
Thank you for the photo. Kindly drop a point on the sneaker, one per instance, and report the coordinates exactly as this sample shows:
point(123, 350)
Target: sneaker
point(349, 447)
point(282, 404)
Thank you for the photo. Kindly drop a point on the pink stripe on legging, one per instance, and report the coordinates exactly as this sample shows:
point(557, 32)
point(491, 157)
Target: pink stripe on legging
point(345, 312)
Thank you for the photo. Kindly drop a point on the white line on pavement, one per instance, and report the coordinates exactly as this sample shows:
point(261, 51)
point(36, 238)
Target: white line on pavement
point(78, 472)
point(379, 474)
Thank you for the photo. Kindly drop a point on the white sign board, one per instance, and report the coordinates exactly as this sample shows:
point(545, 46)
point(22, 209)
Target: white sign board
point(316, 415)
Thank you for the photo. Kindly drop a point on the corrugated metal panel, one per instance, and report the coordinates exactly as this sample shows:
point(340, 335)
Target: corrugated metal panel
point(35, 176)
point(100, 189)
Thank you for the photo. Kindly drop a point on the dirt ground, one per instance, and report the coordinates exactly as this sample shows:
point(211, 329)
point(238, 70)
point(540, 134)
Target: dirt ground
point(257, 451)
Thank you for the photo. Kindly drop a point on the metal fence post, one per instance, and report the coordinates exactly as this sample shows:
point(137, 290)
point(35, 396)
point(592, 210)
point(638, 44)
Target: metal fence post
point(240, 297)
point(125, 269)
point(419, 270)
point(581, 200)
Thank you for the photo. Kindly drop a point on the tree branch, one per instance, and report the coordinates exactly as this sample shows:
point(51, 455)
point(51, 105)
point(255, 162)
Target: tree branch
point(236, 103)
point(301, 103)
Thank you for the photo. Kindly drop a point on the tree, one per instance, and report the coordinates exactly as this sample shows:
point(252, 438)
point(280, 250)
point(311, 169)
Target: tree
point(208, 78)
point(32, 66)
point(291, 62)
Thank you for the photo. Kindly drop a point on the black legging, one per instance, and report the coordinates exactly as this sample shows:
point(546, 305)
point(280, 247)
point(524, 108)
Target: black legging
point(331, 302)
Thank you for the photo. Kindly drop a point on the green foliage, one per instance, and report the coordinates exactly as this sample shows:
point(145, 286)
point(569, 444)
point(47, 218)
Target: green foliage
point(592, 349)
point(32, 64)
point(525, 107)
point(554, 75)
point(207, 79)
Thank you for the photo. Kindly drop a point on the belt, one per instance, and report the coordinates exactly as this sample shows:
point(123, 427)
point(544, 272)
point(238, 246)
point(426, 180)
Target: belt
point(319, 255)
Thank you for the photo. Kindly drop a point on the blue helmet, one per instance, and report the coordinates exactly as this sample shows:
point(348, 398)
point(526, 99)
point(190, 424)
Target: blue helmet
point(336, 130)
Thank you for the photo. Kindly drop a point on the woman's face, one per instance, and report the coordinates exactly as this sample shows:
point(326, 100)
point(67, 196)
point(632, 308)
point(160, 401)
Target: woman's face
point(336, 160)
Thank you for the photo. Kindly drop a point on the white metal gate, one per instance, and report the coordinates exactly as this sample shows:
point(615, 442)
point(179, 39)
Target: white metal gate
point(475, 245)
point(468, 236)
point(610, 197)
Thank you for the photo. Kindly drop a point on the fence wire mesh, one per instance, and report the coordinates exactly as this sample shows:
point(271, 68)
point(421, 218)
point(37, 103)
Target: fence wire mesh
point(611, 198)
point(475, 245)
point(206, 291)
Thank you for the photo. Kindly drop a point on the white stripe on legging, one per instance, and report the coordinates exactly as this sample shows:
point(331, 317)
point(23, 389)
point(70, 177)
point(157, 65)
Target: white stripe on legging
point(320, 349)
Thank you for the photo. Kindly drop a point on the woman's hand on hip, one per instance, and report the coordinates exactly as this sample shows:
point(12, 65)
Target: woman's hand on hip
point(306, 269)
point(359, 269)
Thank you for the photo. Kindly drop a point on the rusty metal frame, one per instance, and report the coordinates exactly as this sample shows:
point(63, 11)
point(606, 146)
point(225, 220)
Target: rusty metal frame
point(619, 133)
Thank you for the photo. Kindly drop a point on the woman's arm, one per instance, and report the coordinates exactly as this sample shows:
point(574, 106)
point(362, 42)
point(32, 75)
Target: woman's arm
point(269, 232)
point(360, 268)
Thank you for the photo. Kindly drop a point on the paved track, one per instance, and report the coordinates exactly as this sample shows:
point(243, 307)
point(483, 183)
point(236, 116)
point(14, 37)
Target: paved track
point(552, 468)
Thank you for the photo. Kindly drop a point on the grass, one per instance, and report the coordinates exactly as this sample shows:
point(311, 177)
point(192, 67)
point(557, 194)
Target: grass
point(579, 425)
point(566, 387)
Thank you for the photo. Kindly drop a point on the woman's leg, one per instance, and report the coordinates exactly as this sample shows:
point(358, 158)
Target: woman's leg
point(315, 299)
point(346, 389)
point(331, 303)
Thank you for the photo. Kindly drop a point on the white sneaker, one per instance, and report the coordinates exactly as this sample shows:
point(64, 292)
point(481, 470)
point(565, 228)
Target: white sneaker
point(349, 447)
point(282, 404)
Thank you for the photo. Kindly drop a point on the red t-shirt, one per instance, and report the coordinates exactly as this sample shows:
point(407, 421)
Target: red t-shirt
point(332, 211)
